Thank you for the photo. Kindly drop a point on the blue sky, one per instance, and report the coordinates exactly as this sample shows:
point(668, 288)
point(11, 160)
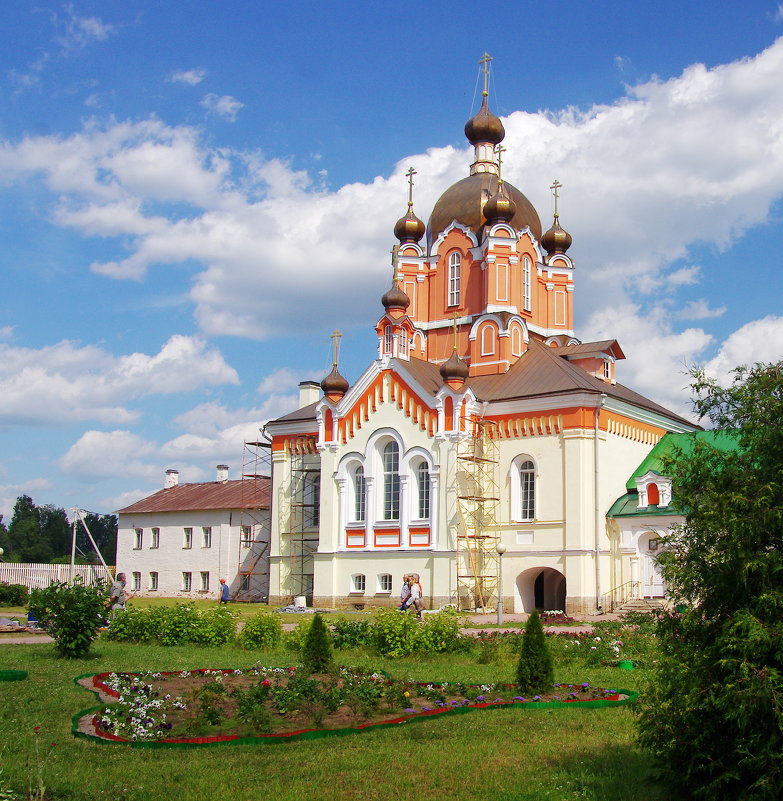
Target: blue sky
point(183, 184)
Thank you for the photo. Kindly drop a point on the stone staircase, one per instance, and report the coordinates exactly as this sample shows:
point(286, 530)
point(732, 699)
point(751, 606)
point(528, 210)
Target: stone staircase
point(641, 605)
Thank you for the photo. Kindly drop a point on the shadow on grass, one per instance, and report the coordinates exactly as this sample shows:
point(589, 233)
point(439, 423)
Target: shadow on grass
point(606, 773)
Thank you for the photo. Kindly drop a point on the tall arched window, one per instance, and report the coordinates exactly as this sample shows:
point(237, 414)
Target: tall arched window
point(423, 491)
point(312, 500)
point(455, 263)
point(516, 340)
point(359, 495)
point(488, 340)
point(387, 339)
point(391, 481)
point(527, 491)
point(402, 342)
point(526, 267)
point(653, 496)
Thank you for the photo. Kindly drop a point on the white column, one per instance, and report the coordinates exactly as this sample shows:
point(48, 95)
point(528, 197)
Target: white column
point(369, 510)
point(405, 512)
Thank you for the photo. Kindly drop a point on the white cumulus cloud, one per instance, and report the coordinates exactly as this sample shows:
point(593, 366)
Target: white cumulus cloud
point(224, 106)
point(191, 77)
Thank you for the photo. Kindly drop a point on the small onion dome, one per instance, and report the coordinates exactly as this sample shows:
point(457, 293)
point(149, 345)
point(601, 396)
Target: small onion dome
point(409, 228)
point(454, 369)
point(484, 127)
point(395, 298)
point(556, 239)
point(334, 383)
point(500, 207)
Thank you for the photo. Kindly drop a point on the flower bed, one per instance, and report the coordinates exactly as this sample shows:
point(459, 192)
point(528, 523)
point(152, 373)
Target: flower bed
point(206, 707)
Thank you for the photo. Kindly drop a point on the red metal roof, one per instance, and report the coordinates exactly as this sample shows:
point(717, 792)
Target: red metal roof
point(238, 494)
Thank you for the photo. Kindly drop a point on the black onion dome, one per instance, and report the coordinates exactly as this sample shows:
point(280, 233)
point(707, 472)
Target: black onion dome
point(409, 228)
point(500, 207)
point(464, 202)
point(334, 383)
point(454, 368)
point(395, 298)
point(485, 127)
point(556, 239)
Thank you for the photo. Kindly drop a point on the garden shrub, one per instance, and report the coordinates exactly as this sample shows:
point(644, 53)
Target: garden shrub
point(13, 594)
point(348, 633)
point(317, 650)
point(72, 613)
point(215, 625)
point(395, 634)
point(263, 630)
point(295, 640)
point(441, 633)
point(535, 671)
point(177, 625)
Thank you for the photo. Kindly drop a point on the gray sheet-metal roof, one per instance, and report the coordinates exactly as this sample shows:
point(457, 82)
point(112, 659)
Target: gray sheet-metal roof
point(236, 494)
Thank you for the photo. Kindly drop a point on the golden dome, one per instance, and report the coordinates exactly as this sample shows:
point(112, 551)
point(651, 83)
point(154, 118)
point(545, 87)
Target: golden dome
point(556, 239)
point(484, 127)
point(334, 383)
point(465, 200)
point(409, 228)
point(500, 207)
point(454, 369)
point(395, 298)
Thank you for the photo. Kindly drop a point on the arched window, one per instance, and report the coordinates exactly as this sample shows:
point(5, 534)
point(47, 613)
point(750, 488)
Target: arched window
point(387, 339)
point(488, 340)
point(516, 340)
point(653, 496)
point(527, 491)
point(359, 496)
point(391, 481)
point(423, 491)
point(455, 263)
point(526, 268)
point(402, 342)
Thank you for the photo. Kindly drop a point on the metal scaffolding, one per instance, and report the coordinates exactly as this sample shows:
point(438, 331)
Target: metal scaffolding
point(299, 504)
point(478, 495)
point(253, 567)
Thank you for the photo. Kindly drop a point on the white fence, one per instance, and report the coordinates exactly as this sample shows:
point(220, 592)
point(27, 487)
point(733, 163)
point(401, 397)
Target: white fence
point(34, 575)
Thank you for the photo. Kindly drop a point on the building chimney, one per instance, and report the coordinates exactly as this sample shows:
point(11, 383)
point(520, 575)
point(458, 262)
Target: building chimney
point(309, 392)
point(222, 473)
point(172, 479)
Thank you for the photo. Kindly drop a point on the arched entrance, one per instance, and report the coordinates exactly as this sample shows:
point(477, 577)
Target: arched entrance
point(540, 588)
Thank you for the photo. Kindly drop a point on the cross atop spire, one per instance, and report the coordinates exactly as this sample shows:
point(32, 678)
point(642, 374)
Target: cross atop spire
point(395, 252)
point(500, 150)
point(555, 186)
point(411, 172)
point(335, 336)
point(454, 324)
point(485, 62)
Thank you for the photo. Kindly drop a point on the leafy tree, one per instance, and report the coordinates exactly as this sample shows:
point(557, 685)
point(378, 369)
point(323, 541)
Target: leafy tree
point(24, 533)
point(535, 671)
point(72, 613)
point(104, 531)
point(713, 717)
point(317, 651)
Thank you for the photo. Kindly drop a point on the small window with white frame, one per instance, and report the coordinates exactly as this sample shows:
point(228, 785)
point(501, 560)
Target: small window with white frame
point(153, 581)
point(359, 496)
point(187, 582)
point(138, 538)
point(155, 543)
point(385, 582)
point(136, 582)
point(206, 539)
point(187, 537)
point(246, 536)
point(607, 369)
point(454, 278)
point(204, 581)
point(358, 582)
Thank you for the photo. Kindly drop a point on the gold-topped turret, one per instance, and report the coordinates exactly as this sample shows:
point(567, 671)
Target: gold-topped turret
point(334, 386)
point(409, 228)
point(395, 298)
point(556, 239)
point(485, 127)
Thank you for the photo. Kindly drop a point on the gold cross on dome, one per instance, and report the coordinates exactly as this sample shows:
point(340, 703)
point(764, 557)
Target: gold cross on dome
point(485, 61)
point(500, 150)
point(454, 316)
point(555, 186)
point(411, 172)
point(335, 335)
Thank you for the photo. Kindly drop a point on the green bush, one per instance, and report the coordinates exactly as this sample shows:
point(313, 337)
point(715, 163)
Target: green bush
point(176, 625)
point(13, 594)
point(295, 640)
point(216, 625)
point(263, 630)
point(440, 633)
point(72, 613)
point(317, 650)
point(535, 671)
point(348, 633)
point(395, 633)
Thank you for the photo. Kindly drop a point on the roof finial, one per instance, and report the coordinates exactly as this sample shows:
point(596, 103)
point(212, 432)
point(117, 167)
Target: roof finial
point(485, 61)
point(555, 186)
point(335, 335)
point(411, 172)
point(500, 150)
point(454, 324)
point(395, 252)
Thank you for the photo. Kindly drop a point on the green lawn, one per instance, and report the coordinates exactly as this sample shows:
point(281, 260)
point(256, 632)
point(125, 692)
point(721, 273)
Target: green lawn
point(494, 755)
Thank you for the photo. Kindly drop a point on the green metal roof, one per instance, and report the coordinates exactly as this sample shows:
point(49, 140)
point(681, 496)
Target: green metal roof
point(627, 506)
point(723, 440)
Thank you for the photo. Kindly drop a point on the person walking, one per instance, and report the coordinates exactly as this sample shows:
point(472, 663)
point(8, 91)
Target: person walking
point(224, 592)
point(414, 599)
point(117, 594)
point(405, 593)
